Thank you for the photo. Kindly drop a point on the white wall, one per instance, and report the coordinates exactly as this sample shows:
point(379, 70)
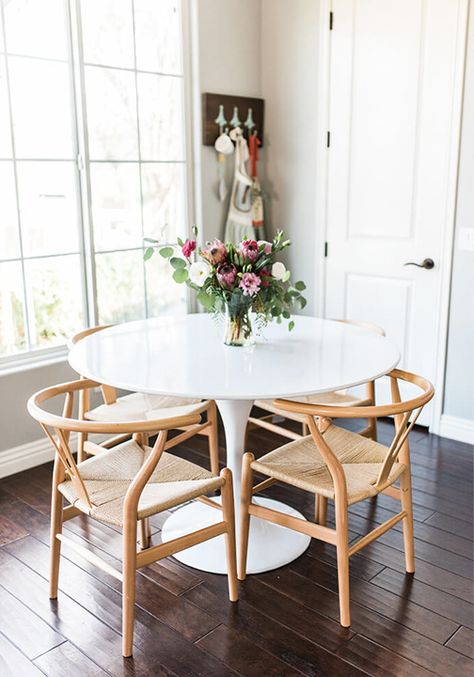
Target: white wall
point(229, 56)
point(459, 390)
point(289, 87)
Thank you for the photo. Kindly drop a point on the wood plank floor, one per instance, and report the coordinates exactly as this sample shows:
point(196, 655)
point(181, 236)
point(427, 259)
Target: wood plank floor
point(286, 622)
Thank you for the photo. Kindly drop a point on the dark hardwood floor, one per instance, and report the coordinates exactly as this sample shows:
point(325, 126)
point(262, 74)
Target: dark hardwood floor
point(286, 622)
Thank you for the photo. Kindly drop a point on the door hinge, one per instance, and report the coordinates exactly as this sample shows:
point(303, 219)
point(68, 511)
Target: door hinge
point(80, 162)
point(331, 20)
point(328, 139)
point(326, 249)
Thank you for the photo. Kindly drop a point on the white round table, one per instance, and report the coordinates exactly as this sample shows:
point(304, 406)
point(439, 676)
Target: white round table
point(186, 356)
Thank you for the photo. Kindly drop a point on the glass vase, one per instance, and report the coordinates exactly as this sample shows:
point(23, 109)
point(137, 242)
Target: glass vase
point(238, 327)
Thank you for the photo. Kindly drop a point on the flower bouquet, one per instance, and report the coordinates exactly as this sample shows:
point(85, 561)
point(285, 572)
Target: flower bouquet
point(235, 280)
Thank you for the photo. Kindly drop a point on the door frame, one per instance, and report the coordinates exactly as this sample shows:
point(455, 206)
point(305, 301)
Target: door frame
point(321, 187)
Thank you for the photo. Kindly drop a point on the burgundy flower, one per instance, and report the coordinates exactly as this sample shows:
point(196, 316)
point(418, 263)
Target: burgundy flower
point(226, 274)
point(249, 248)
point(188, 247)
point(214, 252)
point(250, 284)
point(265, 273)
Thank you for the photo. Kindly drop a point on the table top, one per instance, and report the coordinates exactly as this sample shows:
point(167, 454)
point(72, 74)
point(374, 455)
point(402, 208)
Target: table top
point(186, 356)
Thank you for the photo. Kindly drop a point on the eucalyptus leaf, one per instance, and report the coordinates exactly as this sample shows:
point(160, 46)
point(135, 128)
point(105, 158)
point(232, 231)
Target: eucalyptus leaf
point(150, 239)
point(177, 263)
point(286, 276)
point(180, 275)
point(166, 252)
point(149, 251)
point(205, 300)
point(300, 285)
point(291, 325)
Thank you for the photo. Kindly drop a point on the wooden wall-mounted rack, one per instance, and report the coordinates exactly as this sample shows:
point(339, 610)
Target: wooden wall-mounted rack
point(211, 104)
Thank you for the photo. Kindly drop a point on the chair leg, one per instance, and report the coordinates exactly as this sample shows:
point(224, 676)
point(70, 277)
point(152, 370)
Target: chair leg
point(372, 429)
point(145, 533)
point(56, 528)
point(304, 429)
point(213, 437)
point(128, 585)
point(246, 497)
point(229, 519)
point(321, 509)
point(407, 523)
point(342, 545)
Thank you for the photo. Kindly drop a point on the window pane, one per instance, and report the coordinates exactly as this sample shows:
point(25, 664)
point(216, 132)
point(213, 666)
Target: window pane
point(12, 316)
point(107, 29)
point(36, 28)
point(48, 207)
point(111, 114)
point(158, 35)
point(120, 286)
point(54, 292)
point(116, 211)
point(9, 239)
point(160, 106)
point(164, 200)
point(43, 118)
point(165, 297)
point(5, 132)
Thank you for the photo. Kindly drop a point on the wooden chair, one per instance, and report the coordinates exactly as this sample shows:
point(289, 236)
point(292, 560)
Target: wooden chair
point(140, 406)
point(124, 485)
point(336, 398)
point(339, 464)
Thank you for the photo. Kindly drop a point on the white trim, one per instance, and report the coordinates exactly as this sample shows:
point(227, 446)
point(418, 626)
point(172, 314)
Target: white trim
point(446, 259)
point(455, 428)
point(34, 359)
point(25, 456)
point(322, 121)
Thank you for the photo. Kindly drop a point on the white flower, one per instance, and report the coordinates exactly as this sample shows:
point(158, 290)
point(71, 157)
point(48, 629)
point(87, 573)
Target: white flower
point(278, 270)
point(199, 272)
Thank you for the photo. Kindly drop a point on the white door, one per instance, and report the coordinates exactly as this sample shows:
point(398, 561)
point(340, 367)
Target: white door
point(394, 83)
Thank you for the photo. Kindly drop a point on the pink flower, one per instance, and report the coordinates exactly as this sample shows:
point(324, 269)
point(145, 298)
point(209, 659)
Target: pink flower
point(268, 246)
point(226, 274)
point(249, 248)
point(265, 273)
point(214, 252)
point(250, 284)
point(188, 247)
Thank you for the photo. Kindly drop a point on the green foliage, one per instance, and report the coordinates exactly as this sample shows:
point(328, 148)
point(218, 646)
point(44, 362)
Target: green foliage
point(149, 251)
point(166, 252)
point(180, 275)
point(177, 263)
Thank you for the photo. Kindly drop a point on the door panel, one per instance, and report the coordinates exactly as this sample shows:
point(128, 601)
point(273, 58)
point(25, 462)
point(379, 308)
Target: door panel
point(393, 71)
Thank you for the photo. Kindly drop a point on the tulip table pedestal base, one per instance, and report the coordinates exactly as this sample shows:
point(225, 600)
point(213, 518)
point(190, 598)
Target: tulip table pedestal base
point(270, 545)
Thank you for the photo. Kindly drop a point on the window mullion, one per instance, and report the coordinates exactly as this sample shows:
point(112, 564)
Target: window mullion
point(26, 300)
point(83, 163)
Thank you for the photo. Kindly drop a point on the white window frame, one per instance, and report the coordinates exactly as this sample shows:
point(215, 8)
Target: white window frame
point(40, 357)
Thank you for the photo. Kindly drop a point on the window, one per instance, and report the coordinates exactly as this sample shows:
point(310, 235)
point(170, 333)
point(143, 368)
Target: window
point(92, 160)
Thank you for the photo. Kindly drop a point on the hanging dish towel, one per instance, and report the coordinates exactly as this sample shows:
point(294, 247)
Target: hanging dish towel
point(256, 197)
point(239, 219)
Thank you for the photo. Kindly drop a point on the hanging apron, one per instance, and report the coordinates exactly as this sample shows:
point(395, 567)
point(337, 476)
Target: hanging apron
point(256, 197)
point(239, 218)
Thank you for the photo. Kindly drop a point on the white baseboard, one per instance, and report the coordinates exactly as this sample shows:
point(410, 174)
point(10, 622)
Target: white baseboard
point(25, 456)
point(460, 429)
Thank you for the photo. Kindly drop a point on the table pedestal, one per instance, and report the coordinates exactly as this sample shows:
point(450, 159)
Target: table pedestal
point(270, 546)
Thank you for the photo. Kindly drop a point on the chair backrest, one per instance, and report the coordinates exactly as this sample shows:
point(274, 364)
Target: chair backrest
point(364, 325)
point(58, 429)
point(108, 392)
point(405, 414)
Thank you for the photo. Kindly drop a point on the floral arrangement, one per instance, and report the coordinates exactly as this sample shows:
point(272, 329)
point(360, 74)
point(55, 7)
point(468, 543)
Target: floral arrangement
point(236, 279)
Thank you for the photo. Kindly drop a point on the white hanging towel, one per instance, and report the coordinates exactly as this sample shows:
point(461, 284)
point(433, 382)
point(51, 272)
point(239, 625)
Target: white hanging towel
point(239, 219)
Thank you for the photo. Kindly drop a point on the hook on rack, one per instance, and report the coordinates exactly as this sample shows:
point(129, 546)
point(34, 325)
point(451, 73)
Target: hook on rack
point(220, 119)
point(235, 122)
point(249, 122)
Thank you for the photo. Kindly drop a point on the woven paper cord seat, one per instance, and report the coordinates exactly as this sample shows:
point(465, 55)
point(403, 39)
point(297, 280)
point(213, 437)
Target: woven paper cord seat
point(108, 476)
point(300, 464)
point(138, 407)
